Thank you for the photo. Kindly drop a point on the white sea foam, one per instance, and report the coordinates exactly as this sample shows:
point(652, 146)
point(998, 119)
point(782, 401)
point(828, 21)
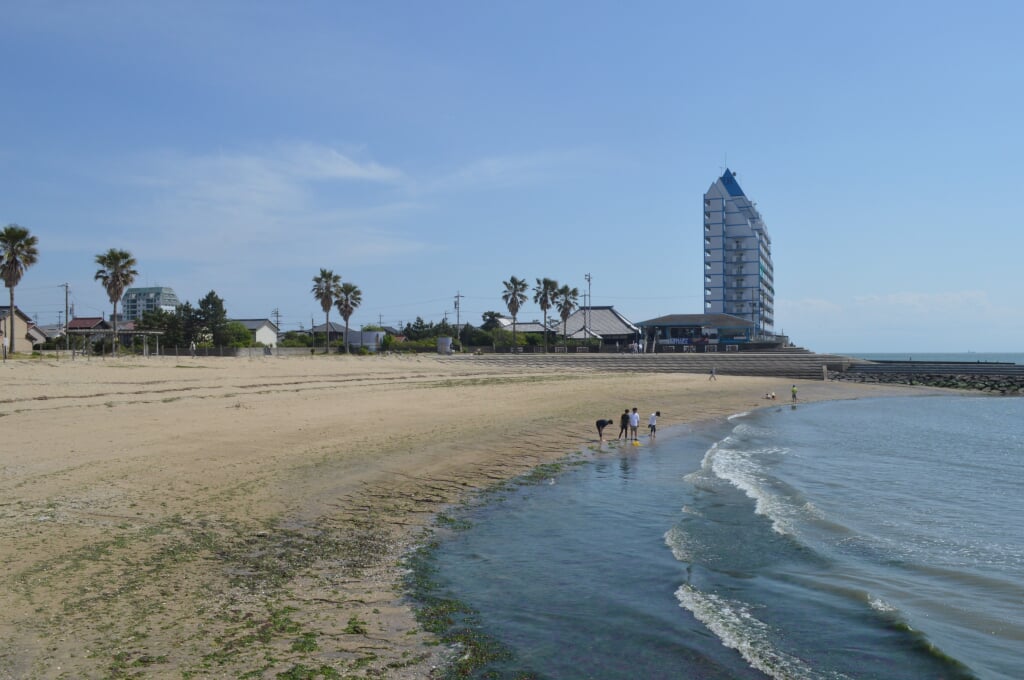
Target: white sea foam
point(880, 605)
point(741, 469)
point(681, 544)
point(737, 628)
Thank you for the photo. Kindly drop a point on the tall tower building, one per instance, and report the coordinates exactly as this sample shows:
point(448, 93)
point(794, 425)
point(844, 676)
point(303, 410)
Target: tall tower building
point(738, 272)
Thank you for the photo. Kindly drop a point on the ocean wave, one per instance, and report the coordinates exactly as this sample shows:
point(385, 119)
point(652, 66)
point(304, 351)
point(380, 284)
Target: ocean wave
point(734, 624)
point(741, 469)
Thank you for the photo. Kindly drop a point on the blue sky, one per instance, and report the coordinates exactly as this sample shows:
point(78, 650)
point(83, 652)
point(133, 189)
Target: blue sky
point(426, 149)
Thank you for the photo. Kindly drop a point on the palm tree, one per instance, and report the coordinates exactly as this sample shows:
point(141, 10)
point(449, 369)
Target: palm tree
point(514, 297)
point(544, 296)
point(325, 290)
point(116, 273)
point(17, 253)
point(349, 298)
point(565, 300)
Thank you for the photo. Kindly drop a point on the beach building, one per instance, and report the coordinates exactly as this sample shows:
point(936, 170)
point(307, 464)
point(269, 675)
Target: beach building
point(603, 323)
point(263, 331)
point(24, 336)
point(136, 301)
point(505, 323)
point(94, 328)
point(697, 333)
point(738, 272)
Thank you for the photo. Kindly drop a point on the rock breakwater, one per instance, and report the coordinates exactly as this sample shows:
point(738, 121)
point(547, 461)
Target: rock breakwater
point(1009, 385)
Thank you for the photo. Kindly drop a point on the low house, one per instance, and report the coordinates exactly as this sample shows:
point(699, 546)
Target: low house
point(53, 331)
point(263, 331)
point(505, 323)
point(337, 331)
point(94, 328)
point(371, 340)
point(23, 338)
point(37, 336)
point(697, 332)
point(601, 323)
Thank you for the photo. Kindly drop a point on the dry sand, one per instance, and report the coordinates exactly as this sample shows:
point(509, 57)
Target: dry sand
point(225, 518)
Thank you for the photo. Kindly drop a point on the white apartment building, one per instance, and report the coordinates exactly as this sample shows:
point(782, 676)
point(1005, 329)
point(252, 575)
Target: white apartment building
point(135, 301)
point(738, 272)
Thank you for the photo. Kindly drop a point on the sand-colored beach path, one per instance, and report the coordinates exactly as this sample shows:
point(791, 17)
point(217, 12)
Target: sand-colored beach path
point(224, 518)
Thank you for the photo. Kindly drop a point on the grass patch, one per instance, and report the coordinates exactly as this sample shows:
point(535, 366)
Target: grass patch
point(302, 672)
point(355, 626)
point(119, 586)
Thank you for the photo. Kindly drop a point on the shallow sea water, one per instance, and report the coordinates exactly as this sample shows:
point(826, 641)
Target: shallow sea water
point(874, 538)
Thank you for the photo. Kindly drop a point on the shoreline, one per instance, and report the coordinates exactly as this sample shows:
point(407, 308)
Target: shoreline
point(216, 517)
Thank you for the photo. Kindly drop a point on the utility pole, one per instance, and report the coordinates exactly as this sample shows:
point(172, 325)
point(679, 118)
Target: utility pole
point(586, 316)
point(276, 313)
point(67, 336)
point(458, 327)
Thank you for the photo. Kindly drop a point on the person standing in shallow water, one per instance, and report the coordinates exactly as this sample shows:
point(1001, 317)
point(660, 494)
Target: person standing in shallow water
point(652, 424)
point(794, 392)
point(634, 424)
point(601, 424)
point(624, 425)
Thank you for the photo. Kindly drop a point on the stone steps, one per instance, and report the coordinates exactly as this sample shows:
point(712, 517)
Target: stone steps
point(803, 365)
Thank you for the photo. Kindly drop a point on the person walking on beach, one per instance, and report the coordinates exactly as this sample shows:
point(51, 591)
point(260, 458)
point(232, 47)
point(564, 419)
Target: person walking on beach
point(634, 424)
point(713, 374)
point(794, 392)
point(601, 424)
point(652, 424)
point(624, 425)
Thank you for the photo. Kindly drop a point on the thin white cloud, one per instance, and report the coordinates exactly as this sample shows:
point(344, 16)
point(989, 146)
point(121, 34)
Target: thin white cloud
point(310, 161)
point(284, 202)
point(913, 301)
point(499, 172)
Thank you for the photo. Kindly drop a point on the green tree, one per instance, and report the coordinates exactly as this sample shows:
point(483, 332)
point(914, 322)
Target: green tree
point(18, 252)
point(491, 320)
point(477, 337)
point(213, 319)
point(514, 297)
point(117, 271)
point(348, 299)
point(544, 295)
point(566, 300)
point(166, 322)
point(188, 325)
point(325, 290)
point(418, 329)
point(297, 339)
point(237, 335)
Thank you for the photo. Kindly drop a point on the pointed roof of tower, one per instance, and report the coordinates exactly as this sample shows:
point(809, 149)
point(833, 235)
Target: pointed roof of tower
point(730, 183)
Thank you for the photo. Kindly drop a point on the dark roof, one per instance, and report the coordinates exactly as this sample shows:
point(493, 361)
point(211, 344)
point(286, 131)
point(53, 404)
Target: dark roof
point(6, 309)
point(256, 324)
point(604, 321)
point(87, 323)
point(730, 183)
point(699, 320)
point(335, 328)
point(528, 327)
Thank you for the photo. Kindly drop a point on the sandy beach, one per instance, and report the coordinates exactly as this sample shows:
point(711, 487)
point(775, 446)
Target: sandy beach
point(224, 518)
